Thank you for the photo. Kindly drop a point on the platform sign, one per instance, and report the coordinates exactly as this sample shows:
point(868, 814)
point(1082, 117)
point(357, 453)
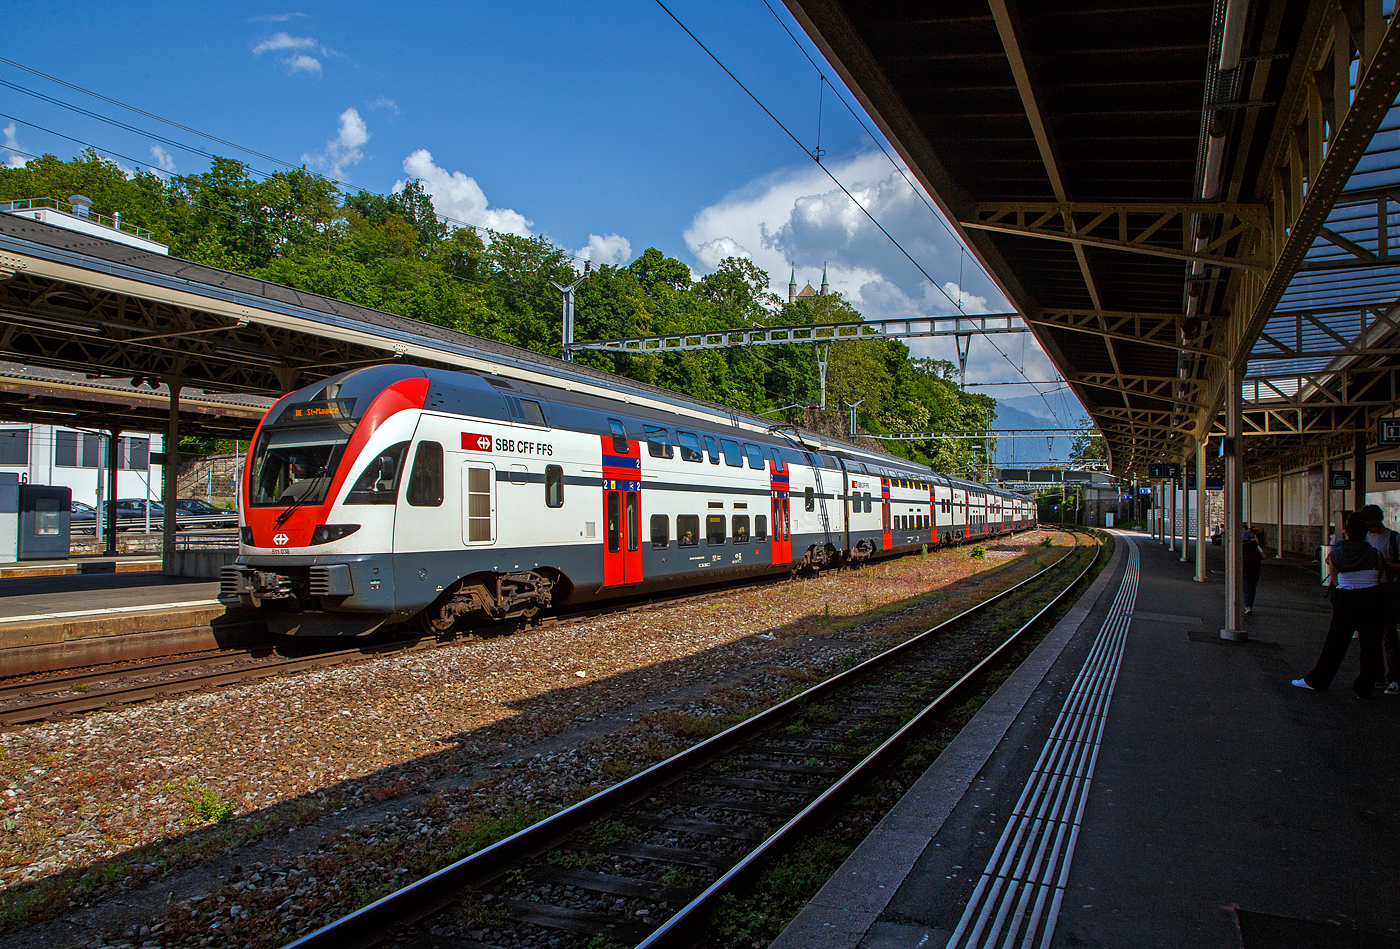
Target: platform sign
point(1387, 472)
point(1163, 471)
point(1339, 480)
point(1144, 490)
point(1388, 431)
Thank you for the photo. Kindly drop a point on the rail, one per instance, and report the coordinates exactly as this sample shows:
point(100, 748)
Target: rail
point(369, 924)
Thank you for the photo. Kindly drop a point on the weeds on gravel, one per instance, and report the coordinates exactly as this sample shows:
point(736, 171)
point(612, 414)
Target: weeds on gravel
point(206, 807)
point(480, 834)
point(782, 889)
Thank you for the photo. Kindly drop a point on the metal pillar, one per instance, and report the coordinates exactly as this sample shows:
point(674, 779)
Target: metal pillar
point(1185, 513)
point(170, 478)
point(1202, 511)
point(1171, 528)
point(567, 328)
point(1359, 455)
point(1327, 501)
point(964, 343)
point(821, 367)
point(110, 515)
point(1278, 515)
point(1234, 602)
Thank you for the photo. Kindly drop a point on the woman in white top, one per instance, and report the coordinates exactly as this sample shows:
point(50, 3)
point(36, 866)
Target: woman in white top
point(1358, 605)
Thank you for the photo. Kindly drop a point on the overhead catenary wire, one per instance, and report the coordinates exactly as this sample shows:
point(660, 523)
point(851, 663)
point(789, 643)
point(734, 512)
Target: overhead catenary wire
point(798, 142)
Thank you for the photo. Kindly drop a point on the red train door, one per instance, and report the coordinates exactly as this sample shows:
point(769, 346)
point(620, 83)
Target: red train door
point(781, 488)
point(622, 511)
point(888, 541)
point(932, 515)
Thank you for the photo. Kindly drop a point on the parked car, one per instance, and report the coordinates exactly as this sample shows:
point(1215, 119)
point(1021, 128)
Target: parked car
point(192, 512)
point(82, 518)
point(131, 513)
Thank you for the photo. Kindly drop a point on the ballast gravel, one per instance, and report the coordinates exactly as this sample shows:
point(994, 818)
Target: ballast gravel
point(251, 814)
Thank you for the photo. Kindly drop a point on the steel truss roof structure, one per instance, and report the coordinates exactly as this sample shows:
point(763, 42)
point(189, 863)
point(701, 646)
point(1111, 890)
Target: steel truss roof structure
point(1179, 197)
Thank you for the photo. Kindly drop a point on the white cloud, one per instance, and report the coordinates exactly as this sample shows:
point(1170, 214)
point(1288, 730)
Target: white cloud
point(384, 102)
point(798, 217)
point(303, 63)
point(164, 160)
point(300, 46)
point(275, 17)
point(282, 40)
point(342, 152)
point(607, 249)
point(12, 145)
point(458, 196)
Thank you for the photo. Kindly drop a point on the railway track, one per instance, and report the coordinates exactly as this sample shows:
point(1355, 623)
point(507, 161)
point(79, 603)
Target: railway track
point(208, 670)
point(644, 863)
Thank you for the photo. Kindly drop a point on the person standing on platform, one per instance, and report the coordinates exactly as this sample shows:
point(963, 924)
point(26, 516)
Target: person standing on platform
point(1387, 544)
point(1354, 570)
point(1253, 563)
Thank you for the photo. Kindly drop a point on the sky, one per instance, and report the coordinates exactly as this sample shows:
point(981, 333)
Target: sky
point(603, 127)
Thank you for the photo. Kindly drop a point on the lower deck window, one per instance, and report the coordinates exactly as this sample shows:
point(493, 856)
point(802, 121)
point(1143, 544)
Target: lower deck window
point(741, 528)
point(688, 530)
point(760, 527)
point(660, 531)
point(715, 530)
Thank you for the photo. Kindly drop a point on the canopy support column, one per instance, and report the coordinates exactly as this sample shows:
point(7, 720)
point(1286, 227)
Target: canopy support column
point(109, 516)
point(170, 480)
point(1234, 572)
point(1278, 515)
point(1202, 511)
point(1171, 527)
point(1185, 513)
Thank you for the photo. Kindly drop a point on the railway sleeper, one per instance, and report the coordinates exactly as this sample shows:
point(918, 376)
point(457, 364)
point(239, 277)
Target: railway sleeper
point(600, 882)
point(577, 921)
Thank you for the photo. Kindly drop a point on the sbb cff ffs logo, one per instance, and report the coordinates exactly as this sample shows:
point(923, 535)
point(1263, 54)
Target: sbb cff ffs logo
point(280, 540)
point(473, 442)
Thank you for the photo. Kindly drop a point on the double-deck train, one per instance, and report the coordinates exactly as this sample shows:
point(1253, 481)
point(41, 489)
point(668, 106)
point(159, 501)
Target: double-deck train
point(389, 493)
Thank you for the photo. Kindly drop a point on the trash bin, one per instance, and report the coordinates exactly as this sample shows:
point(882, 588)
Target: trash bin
point(44, 513)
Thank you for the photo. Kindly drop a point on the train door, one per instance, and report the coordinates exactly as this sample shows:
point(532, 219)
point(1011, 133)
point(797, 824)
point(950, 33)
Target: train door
point(780, 488)
point(478, 502)
point(932, 512)
point(622, 508)
point(886, 540)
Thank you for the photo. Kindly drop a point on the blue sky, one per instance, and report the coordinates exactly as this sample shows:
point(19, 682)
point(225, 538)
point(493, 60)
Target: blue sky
point(600, 126)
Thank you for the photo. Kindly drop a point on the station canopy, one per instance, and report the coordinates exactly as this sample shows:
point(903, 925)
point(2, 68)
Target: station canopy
point(1179, 197)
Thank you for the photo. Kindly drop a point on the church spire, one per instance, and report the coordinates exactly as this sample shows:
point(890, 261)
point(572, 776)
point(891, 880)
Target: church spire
point(826, 288)
point(792, 286)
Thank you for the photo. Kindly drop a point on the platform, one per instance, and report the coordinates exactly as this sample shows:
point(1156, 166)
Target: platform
point(57, 622)
point(127, 563)
point(1141, 782)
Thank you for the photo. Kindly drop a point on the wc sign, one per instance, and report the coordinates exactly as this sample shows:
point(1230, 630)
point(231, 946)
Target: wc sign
point(1387, 472)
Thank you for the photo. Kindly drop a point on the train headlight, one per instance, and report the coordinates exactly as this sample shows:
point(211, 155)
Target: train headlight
point(329, 532)
point(246, 535)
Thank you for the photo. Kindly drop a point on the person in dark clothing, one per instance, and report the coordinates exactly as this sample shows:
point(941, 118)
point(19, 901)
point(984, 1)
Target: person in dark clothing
point(1387, 543)
point(1253, 563)
point(1354, 570)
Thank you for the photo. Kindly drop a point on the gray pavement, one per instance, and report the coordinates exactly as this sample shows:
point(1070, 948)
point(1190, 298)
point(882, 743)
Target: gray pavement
point(1222, 807)
point(87, 593)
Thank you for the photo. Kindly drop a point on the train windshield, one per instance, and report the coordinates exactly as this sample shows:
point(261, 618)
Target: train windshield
point(296, 465)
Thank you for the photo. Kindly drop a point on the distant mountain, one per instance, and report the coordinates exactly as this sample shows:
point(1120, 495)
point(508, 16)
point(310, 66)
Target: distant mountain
point(1030, 450)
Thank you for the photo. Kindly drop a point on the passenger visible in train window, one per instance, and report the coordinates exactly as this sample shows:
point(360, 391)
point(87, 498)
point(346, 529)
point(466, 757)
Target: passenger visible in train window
point(809, 499)
point(741, 528)
point(688, 529)
point(690, 446)
point(658, 442)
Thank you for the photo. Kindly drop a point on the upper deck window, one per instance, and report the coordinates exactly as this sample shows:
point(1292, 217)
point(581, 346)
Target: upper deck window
point(690, 446)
